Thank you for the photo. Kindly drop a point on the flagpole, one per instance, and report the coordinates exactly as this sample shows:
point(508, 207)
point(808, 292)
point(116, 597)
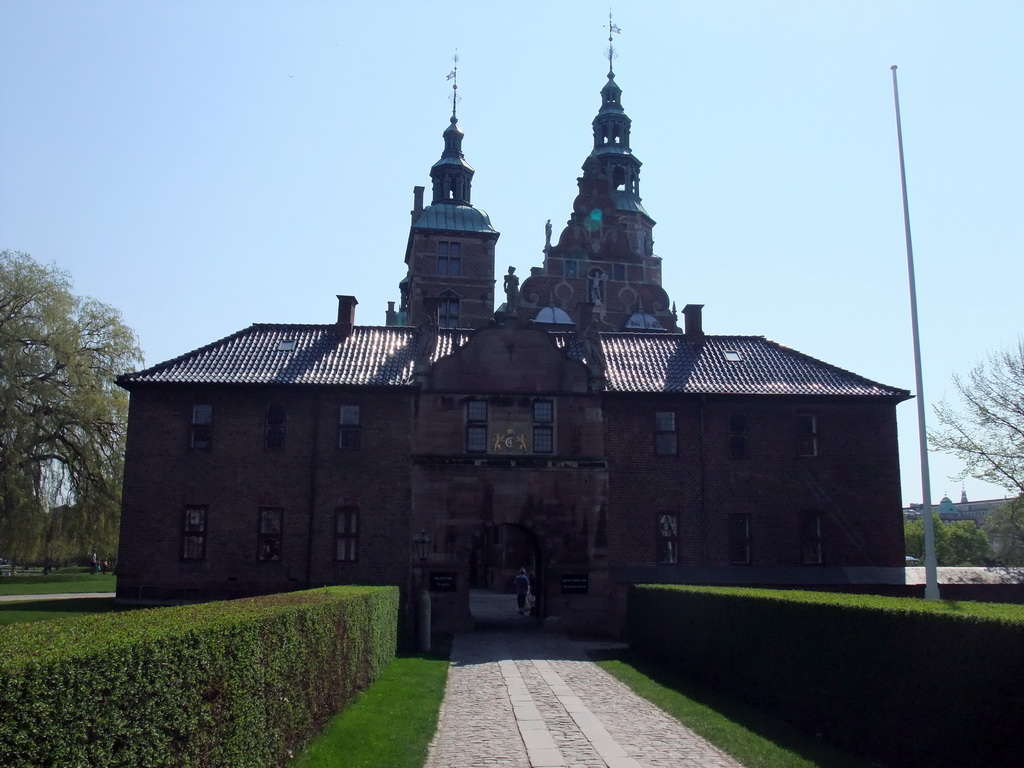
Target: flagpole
point(931, 573)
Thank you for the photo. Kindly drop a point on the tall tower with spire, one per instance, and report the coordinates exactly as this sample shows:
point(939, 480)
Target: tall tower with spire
point(605, 254)
point(450, 252)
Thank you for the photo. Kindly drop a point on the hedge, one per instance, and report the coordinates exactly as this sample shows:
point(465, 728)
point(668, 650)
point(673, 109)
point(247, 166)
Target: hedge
point(232, 684)
point(900, 681)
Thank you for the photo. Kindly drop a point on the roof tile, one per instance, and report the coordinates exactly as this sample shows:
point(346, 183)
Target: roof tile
point(384, 356)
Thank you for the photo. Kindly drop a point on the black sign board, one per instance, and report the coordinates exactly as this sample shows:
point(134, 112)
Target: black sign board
point(443, 581)
point(575, 583)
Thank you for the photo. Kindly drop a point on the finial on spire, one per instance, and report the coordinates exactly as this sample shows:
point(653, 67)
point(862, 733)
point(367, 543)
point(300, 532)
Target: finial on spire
point(612, 28)
point(454, 77)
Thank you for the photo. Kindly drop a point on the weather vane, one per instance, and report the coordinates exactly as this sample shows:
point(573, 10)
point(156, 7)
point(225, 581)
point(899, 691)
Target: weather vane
point(612, 29)
point(454, 77)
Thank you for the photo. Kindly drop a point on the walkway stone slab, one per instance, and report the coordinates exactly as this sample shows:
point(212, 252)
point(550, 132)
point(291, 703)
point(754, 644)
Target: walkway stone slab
point(532, 699)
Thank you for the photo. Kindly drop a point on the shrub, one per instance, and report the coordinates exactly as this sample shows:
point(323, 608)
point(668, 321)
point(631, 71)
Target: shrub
point(233, 684)
point(900, 680)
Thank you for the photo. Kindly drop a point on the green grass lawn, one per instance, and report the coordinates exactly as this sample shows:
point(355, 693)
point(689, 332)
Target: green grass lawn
point(390, 725)
point(752, 736)
point(72, 581)
point(42, 610)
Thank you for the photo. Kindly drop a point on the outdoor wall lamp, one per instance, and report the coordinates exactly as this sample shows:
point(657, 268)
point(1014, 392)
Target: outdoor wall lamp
point(422, 544)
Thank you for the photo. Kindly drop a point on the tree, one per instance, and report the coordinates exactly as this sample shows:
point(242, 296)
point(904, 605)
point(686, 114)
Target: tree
point(1005, 526)
point(988, 433)
point(62, 418)
point(958, 543)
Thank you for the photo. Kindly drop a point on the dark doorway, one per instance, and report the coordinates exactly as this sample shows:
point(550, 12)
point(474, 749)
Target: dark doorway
point(497, 555)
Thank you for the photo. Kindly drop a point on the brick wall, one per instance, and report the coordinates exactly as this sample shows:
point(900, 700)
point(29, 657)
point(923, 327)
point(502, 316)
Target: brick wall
point(853, 482)
point(308, 478)
point(588, 507)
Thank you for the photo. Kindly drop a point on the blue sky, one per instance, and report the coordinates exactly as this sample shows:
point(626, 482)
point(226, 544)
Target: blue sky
point(204, 165)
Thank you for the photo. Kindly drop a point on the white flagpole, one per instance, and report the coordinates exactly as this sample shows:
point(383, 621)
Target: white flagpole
point(931, 573)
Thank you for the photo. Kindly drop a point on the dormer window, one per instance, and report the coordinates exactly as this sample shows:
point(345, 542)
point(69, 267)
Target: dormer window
point(448, 313)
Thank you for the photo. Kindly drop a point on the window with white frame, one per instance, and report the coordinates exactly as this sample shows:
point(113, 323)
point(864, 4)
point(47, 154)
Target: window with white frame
point(346, 534)
point(739, 539)
point(193, 533)
point(810, 538)
point(806, 434)
point(269, 534)
point(201, 428)
point(665, 443)
point(668, 538)
point(348, 427)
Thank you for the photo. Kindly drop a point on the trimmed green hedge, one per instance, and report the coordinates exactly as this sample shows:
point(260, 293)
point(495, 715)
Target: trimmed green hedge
point(233, 684)
point(904, 681)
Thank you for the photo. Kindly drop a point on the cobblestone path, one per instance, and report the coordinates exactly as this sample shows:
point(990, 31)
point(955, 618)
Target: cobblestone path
point(533, 699)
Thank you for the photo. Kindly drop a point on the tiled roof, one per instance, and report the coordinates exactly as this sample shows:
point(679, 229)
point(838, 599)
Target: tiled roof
point(368, 357)
point(384, 356)
point(747, 365)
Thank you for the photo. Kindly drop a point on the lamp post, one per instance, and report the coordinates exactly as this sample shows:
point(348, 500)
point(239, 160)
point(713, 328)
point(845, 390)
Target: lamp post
point(421, 542)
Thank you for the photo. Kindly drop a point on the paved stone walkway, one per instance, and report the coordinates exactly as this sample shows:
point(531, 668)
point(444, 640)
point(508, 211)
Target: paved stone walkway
point(529, 698)
point(52, 596)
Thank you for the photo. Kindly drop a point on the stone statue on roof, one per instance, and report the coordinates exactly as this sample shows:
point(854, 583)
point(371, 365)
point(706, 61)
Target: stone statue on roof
point(593, 353)
point(426, 341)
point(597, 279)
point(511, 290)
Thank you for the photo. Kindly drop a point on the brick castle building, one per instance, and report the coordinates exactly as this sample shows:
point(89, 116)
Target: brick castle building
point(577, 430)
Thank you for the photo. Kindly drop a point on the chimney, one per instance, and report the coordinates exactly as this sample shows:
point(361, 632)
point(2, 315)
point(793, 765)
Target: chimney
point(692, 325)
point(391, 317)
point(417, 202)
point(346, 315)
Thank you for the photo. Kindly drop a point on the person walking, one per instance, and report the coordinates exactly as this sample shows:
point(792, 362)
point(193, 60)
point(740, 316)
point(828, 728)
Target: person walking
point(522, 584)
